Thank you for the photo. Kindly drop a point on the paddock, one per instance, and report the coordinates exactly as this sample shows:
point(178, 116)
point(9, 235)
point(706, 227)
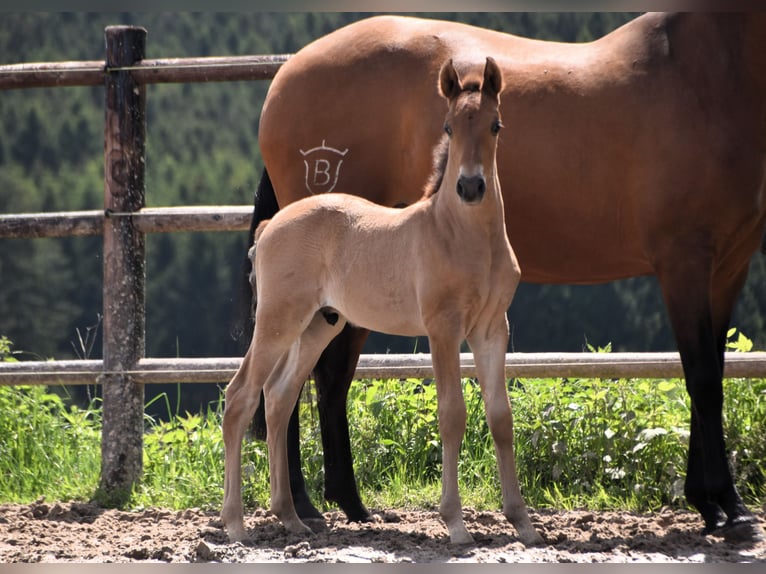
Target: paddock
point(124, 222)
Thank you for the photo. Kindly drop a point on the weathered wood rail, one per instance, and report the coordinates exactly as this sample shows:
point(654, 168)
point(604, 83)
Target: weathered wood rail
point(521, 365)
point(146, 220)
point(125, 220)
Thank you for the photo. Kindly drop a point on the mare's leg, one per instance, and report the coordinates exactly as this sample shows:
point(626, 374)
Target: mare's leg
point(489, 347)
point(445, 351)
point(686, 285)
point(301, 499)
point(740, 523)
point(333, 375)
point(242, 398)
point(281, 394)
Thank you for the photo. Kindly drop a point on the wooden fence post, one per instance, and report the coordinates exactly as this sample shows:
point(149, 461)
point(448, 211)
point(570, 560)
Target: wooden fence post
point(124, 266)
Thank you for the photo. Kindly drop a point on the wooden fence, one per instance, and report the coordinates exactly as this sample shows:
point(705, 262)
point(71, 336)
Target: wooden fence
point(125, 220)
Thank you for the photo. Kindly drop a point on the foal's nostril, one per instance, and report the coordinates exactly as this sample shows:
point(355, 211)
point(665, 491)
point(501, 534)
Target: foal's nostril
point(471, 189)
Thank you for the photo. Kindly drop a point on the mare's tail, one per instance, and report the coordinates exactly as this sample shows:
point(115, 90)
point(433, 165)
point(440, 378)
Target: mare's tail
point(264, 207)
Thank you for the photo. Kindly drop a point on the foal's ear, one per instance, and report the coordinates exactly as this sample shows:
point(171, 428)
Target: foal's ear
point(493, 78)
point(449, 84)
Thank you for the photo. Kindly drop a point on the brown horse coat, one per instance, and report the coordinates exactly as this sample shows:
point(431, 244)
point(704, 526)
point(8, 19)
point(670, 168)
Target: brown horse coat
point(643, 152)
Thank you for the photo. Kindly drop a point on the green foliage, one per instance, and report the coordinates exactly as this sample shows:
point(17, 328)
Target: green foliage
point(46, 446)
point(6, 355)
point(592, 443)
point(596, 443)
point(183, 462)
point(603, 437)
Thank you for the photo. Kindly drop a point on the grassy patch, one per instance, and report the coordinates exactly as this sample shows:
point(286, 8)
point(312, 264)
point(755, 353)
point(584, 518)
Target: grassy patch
point(599, 444)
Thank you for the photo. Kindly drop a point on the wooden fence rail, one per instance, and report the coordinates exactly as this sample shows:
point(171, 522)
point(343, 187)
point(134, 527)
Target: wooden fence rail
point(146, 71)
point(522, 365)
point(125, 220)
point(146, 220)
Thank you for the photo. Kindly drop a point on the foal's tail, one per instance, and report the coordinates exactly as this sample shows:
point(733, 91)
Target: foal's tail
point(264, 207)
point(251, 258)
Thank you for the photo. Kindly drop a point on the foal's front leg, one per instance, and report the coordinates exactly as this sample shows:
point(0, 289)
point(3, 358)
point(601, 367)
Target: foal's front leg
point(452, 416)
point(489, 353)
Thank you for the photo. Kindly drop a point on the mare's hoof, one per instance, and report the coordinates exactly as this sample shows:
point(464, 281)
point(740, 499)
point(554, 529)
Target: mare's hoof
point(353, 509)
point(741, 530)
point(305, 509)
point(359, 517)
point(316, 524)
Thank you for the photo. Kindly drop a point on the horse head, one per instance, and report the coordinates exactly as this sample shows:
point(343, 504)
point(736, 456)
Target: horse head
point(472, 124)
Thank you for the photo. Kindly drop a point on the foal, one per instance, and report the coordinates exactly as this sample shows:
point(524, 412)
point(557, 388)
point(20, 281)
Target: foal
point(442, 267)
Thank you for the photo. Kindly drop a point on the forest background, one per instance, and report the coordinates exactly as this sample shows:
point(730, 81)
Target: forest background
point(202, 149)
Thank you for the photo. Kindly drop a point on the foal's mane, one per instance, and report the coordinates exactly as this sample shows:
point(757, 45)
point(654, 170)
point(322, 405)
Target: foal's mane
point(441, 151)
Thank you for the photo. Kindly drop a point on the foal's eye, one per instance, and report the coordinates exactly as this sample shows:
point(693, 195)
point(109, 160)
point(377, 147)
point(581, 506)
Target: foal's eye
point(447, 129)
point(496, 126)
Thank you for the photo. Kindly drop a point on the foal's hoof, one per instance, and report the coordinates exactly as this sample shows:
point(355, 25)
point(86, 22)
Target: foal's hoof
point(298, 527)
point(236, 534)
point(459, 535)
point(532, 538)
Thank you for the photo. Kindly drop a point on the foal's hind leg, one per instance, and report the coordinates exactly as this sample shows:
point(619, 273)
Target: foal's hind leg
point(489, 353)
point(281, 394)
point(242, 398)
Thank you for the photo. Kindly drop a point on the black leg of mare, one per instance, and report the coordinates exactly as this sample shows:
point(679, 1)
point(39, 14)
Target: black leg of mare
point(709, 483)
point(333, 375)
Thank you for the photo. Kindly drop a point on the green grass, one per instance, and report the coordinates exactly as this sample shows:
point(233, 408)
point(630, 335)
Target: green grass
point(596, 443)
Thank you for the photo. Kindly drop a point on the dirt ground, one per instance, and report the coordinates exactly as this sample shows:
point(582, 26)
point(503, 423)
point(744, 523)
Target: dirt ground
point(80, 532)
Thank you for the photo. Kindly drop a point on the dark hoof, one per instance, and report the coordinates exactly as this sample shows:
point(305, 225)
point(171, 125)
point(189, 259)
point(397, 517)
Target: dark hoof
point(351, 505)
point(742, 530)
point(356, 513)
point(360, 517)
point(304, 508)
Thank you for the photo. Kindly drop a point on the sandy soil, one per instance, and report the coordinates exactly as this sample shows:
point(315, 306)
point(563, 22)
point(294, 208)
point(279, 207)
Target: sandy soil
point(80, 532)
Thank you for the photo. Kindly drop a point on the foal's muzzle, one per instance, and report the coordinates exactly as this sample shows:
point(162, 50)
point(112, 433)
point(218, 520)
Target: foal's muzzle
point(471, 188)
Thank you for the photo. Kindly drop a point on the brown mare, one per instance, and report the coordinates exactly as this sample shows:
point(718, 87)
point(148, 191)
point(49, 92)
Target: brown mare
point(442, 267)
point(639, 153)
